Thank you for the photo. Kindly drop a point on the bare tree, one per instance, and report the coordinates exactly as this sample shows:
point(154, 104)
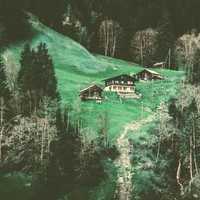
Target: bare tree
point(28, 138)
point(109, 36)
point(143, 46)
point(186, 47)
point(2, 109)
point(163, 116)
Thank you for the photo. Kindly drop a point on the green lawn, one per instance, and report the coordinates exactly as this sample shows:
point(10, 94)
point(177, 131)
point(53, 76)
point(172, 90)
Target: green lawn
point(76, 68)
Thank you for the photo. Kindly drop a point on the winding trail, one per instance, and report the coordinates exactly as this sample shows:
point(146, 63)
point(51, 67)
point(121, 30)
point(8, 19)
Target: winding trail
point(123, 162)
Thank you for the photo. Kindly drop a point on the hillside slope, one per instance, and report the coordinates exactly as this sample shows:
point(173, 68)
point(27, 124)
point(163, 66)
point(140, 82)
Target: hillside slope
point(77, 68)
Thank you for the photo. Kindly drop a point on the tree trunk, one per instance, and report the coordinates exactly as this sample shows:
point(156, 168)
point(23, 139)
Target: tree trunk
point(178, 177)
point(1, 124)
point(141, 49)
point(194, 146)
point(191, 159)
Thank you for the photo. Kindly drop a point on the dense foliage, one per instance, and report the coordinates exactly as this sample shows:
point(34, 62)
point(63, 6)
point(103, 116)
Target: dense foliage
point(36, 76)
point(39, 139)
point(120, 20)
point(170, 158)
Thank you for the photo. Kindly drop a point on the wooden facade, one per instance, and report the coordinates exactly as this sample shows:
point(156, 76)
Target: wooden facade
point(92, 92)
point(122, 83)
point(147, 74)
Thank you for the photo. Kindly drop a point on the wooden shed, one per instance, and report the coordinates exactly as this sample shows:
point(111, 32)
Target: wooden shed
point(93, 92)
point(159, 65)
point(148, 74)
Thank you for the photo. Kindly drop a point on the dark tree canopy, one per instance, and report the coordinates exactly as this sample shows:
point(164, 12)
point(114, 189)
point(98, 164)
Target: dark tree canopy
point(194, 74)
point(4, 90)
point(36, 77)
point(132, 15)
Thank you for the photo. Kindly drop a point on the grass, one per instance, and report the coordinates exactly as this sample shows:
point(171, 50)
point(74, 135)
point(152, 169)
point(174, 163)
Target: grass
point(76, 68)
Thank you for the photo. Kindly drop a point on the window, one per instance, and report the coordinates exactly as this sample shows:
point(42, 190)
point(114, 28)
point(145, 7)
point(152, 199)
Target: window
point(131, 88)
point(130, 82)
point(96, 93)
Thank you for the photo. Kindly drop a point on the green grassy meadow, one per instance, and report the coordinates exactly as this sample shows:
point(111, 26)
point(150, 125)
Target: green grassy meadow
point(76, 69)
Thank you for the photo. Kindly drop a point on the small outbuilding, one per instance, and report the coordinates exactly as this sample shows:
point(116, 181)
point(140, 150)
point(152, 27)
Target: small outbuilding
point(159, 65)
point(148, 74)
point(93, 92)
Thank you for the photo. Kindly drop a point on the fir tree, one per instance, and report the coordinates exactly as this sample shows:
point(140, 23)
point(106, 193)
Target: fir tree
point(44, 69)
point(194, 75)
point(37, 72)
point(5, 109)
point(165, 40)
point(4, 90)
point(37, 77)
point(26, 62)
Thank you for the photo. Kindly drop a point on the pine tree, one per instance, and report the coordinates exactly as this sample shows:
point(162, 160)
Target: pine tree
point(165, 40)
point(37, 77)
point(37, 72)
point(44, 69)
point(5, 111)
point(194, 76)
point(26, 61)
point(4, 90)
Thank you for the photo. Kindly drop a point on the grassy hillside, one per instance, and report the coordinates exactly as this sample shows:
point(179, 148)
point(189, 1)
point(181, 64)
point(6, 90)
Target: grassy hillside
point(76, 68)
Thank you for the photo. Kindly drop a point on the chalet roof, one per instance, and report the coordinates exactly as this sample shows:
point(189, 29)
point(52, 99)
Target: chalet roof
point(150, 71)
point(158, 64)
point(119, 76)
point(90, 87)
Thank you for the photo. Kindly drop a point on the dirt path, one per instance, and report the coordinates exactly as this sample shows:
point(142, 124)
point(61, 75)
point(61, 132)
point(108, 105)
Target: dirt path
point(124, 182)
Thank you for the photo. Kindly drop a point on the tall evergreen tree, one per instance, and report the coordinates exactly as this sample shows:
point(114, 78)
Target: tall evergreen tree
point(194, 74)
point(37, 77)
point(5, 109)
point(37, 72)
point(4, 90)
point(26, 62)
point(45, 78)
point(165, 41)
